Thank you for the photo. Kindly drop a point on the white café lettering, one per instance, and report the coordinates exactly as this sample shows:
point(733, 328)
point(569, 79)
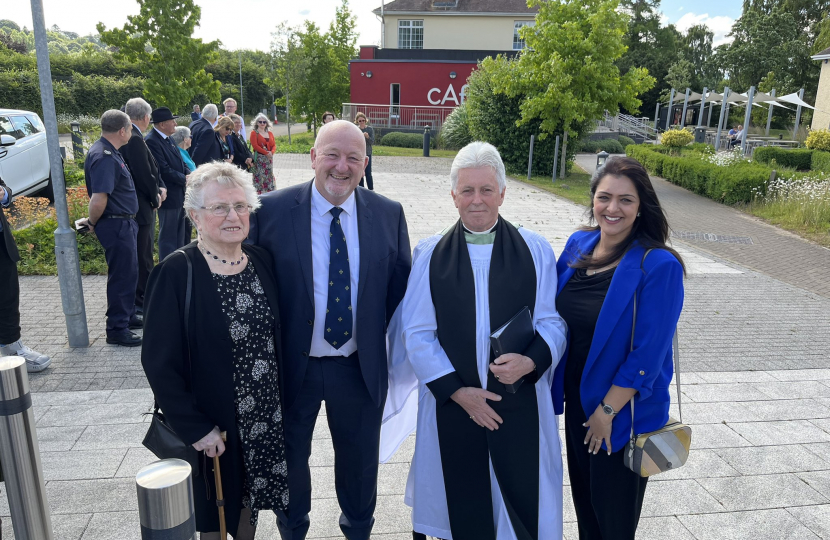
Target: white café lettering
point(449, 95)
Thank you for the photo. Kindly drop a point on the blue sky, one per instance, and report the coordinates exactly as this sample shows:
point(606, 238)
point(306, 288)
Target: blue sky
point(718, 15)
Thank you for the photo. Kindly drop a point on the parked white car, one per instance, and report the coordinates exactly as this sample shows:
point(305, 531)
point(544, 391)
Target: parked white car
point(24, 157)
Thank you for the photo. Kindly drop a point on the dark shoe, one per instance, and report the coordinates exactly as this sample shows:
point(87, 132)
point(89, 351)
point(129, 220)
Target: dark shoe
point(139, 310)
point(136, 322)
point(125, 340)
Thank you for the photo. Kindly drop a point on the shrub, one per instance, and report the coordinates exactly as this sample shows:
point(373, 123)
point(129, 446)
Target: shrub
point(625, 141)
point(405, 140)
point(612, 146)
point(821, 161)
point(703, 148)
point(799, 159)
point(455, 133)
point(676, 138)
point(818, 139)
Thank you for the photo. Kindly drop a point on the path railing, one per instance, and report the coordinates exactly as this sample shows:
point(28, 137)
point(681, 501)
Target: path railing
point(402, 116)
point(628, 125)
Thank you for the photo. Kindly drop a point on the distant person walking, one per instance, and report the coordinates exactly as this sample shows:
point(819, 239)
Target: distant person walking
point(369, 134)
point(262, 141)
point(196, 114)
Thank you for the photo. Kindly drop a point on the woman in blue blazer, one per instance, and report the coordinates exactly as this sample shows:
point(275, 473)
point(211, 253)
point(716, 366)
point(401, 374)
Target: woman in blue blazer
point(600, 271)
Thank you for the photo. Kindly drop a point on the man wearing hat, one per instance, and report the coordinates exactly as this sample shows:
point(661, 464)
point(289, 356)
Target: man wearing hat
point(174, 174)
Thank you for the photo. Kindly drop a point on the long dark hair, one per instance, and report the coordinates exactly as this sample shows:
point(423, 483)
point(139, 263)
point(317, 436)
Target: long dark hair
point(650, 230)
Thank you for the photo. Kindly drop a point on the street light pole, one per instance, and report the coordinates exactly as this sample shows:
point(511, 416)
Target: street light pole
point(66, 245)
point(241, 97)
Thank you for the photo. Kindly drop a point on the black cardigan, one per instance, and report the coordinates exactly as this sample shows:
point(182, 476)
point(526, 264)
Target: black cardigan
point(196, 400)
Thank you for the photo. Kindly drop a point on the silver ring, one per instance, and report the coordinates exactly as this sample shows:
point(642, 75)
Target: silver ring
point(472, 418)
point(497, 377)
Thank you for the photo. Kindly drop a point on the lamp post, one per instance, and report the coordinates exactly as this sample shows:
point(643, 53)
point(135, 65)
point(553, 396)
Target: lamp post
point(77, 142)
point(602, 157)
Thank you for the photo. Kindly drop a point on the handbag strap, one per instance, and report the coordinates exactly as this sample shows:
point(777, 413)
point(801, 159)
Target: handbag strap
point(675, 350)
point(187, 297)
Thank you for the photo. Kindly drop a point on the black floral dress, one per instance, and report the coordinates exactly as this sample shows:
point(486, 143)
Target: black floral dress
point(256, 382)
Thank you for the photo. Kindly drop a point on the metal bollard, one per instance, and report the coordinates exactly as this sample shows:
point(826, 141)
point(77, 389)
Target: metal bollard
point(20, 454)
point(165, 501)
point(426, 141)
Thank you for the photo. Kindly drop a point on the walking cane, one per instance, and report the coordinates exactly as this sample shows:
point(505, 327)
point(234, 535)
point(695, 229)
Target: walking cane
point(220, 498)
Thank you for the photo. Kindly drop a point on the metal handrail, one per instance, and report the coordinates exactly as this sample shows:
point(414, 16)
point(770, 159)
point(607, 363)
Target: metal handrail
point(399, 116)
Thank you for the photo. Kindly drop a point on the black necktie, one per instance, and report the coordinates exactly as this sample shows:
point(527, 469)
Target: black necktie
point(339, 306)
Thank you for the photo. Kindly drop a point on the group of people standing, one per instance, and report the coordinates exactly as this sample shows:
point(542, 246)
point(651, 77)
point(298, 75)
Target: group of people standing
point(311, 294)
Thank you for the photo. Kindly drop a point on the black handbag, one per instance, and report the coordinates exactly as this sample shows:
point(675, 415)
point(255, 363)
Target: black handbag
point(161, 439)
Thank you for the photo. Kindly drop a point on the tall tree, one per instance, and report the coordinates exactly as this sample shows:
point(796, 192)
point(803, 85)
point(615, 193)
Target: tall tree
point(161, 39)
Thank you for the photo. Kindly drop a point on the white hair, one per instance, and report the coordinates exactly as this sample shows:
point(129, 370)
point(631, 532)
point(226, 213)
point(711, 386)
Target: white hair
point(478, 154)
point(137, 108)
point(211, 112)
point(181, 133)
point(224, 174)
point(338, 124)
point(256, 119)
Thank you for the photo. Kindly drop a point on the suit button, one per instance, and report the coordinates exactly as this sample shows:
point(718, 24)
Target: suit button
point(305, 353)
point(642, 372)
point(310, 322)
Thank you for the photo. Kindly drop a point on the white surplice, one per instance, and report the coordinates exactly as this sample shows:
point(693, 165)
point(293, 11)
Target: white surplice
point(425, 485)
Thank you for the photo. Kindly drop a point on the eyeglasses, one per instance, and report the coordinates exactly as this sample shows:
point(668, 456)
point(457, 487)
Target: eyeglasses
point(262, 122)
point(361, 121)
point(223, 210)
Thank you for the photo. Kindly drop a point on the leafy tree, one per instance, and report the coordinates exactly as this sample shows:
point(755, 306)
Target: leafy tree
point(289, 66)
point(680, 76)
point(160, 39)
point(823, 38)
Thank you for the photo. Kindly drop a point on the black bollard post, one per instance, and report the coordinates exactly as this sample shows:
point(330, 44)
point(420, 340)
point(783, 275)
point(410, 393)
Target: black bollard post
point(426, 141)
point(77, 142)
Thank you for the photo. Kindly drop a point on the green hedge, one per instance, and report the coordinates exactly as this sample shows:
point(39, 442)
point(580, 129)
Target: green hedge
point(625, 141)
point(612, 146)
point(800, 159)
point(405, 140)
point(820, 161)
point(732, 184)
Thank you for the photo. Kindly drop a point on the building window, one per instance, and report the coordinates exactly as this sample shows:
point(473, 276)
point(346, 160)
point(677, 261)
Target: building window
point(518, 42)
point(410, 34)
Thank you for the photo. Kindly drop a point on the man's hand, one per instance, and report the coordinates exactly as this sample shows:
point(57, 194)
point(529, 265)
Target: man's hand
point(474, 402)
point(509, 368)
point(163, 194)
point(211, 443)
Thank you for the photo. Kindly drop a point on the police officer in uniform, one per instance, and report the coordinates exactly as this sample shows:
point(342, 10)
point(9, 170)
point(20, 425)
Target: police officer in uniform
point(112, 208)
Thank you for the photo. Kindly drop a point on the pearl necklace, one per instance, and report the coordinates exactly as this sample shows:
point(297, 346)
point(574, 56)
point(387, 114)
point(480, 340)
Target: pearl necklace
point(223, 261)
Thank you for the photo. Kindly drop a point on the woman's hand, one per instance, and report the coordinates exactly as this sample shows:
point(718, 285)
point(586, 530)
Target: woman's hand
point(366, 134)
point(509, 368)
point(249, 162)
point(474, 402)
point(211, 443)
point(599, 429)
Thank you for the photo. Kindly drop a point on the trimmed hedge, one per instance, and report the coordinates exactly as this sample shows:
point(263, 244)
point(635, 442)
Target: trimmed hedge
point(733, 184)
point(405, 140)
point(820, 161)
point(799, 159)
point(625, 141)
point(612, 146)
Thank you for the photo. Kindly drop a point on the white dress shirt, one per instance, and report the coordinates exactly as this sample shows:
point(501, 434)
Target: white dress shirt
point(163, 136)
point(320, 255)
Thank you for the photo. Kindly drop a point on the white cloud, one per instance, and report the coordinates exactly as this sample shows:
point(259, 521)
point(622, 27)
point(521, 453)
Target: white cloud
point(680, 8)
point(720, 25)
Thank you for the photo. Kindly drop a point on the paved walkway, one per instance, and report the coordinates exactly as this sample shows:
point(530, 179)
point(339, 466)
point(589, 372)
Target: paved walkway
point(756, 375)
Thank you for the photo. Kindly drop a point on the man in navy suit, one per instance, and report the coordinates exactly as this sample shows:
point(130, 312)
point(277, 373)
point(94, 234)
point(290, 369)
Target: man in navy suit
point(205, 146)
point(174, 173)
point(342, 259)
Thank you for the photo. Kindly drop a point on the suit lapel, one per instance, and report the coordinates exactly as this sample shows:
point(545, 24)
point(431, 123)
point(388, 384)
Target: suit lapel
point(365, 234)
point(301, 219)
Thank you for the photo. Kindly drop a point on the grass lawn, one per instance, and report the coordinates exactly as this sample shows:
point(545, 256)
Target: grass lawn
point(302, 143)
point(410, 152)
point(574, 187)
point(783, 215)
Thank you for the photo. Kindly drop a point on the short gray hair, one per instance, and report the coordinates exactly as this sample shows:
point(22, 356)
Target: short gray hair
point(478, 154)
point(224, 174)
point(181, 133)
point(256, 119)
point(210, 111)
point(137, 108)
point(113, 121)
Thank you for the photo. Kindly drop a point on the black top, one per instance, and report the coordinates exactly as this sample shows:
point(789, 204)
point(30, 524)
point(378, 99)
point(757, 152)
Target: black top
point(579, 304)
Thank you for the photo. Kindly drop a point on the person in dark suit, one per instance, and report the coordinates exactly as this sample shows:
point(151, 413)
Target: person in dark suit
point(196, 114)
point(173, 173)
point(10, 343)
point(205, 146)
point(342, 258)
point(242, 157)
point(149, 188)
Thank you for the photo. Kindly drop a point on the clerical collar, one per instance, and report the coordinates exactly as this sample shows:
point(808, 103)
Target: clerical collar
point(480, 238)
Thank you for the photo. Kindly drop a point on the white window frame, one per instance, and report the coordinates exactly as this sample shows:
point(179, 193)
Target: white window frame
point(518, 43)
point(411, 26)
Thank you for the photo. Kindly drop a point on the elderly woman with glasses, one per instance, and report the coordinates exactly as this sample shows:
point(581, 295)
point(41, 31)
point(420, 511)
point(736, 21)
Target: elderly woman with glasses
point(219, 370)
point(262, 141)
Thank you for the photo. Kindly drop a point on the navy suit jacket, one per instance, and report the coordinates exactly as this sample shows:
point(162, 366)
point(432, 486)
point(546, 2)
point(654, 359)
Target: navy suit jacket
point(205, 146)
point(283, 226)
point(172, 169)
point(648, 368)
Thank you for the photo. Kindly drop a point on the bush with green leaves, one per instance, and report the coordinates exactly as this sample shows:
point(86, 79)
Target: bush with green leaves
point(821, 161)
point(455, 133)
point(818, 139)
point(405, 140)
point(676, 138)
point(625, 141)
point(799, 159)
point(612, 146)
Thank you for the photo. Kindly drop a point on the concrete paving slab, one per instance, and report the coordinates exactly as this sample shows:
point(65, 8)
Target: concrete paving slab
point(112, 436)
point(761, 492)
point(81, 464)
point(70, 526)
point(772, 524)
point(780, 432)
point(701, 464)
point(677, 498)
point(772, 459)
point(91, 496)
point(716, 436)
point(112, 525)
point(134, 460)
point(815, 518)
point(102, 414)
point(58, 439)
point(736, 377)
point(792, 409)
point(667, 528)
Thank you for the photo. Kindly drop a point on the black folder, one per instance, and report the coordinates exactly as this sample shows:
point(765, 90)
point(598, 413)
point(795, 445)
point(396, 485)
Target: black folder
point(514, 336)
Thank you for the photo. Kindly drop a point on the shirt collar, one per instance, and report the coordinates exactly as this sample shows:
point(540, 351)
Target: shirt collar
point(163, 136)
point(322, 206)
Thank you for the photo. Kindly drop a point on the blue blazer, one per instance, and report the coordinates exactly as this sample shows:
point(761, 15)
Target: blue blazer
point(648, 368)
point(283, 226)
point(204, 146)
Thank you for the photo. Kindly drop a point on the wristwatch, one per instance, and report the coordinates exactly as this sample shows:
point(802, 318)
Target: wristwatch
point(607, 409)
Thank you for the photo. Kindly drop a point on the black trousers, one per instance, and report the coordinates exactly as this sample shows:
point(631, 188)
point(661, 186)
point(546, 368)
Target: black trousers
point(144, 245)
point(9, 298)
point(354, 422)
point(118, 238)
point(607, 496)
point(171, 231)
point(367, 175)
